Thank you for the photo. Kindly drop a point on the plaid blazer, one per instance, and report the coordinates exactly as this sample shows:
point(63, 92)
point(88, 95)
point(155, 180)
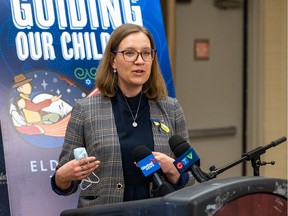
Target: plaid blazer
point(92, 126)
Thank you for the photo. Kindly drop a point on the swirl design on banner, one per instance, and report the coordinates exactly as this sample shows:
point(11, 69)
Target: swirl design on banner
point(87, 74)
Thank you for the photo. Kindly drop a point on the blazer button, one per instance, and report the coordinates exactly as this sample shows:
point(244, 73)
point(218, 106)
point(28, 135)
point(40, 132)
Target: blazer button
point(119, 186)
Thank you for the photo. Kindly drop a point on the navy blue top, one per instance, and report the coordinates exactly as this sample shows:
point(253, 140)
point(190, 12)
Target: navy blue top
point(136, 185)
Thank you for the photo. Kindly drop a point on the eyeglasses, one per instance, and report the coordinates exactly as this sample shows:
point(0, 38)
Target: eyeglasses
point(132, 55)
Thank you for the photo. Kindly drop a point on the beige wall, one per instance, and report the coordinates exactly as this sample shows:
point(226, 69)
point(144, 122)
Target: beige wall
point(267, 74)
point(210, 91)
point(267, 82)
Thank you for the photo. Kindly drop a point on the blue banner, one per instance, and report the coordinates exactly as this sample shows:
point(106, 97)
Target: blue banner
point(50, 48)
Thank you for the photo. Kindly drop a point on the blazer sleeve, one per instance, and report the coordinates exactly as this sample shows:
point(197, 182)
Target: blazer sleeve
point(180, 122)
point(74, 138)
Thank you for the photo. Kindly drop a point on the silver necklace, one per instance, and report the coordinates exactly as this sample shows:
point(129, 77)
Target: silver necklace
point(134, 124)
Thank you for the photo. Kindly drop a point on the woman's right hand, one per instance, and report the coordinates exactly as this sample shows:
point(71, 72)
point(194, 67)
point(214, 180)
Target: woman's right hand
point(75, 170)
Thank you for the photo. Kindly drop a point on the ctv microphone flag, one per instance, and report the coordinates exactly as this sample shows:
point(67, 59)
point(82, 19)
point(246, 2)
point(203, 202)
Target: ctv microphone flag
point(186, 160)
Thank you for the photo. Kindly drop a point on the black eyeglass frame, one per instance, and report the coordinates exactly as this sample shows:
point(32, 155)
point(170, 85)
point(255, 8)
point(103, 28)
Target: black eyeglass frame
point(153, 54)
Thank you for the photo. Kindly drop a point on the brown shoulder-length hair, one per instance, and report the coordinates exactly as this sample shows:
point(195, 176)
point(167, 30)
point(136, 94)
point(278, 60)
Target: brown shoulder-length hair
point(107, 80)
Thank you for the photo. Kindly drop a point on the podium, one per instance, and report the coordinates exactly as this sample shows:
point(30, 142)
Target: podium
point(249, 196)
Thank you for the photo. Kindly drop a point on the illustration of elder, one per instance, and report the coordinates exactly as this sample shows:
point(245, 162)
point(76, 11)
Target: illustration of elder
point(43, 114)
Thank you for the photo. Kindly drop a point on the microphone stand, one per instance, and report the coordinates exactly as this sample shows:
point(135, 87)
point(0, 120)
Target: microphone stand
point(253, 156)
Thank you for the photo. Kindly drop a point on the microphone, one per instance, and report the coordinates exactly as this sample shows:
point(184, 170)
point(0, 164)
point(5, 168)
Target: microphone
point(187, 158)
point(150, 167)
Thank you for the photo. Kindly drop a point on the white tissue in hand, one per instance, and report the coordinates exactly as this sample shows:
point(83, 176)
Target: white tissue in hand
point(80, 153)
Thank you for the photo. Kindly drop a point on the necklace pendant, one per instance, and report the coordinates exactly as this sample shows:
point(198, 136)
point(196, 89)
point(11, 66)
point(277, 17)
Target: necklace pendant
point(134, 124)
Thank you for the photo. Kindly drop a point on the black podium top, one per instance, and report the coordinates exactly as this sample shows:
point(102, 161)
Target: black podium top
point(232, 196)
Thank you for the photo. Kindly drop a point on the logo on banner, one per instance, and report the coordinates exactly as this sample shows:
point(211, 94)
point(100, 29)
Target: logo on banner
point(40, 106)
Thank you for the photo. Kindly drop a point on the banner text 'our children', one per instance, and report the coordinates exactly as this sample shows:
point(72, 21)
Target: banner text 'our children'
point(79, 27)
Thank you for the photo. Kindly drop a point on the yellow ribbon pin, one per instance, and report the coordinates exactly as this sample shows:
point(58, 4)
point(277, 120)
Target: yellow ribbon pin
point(160, 125)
